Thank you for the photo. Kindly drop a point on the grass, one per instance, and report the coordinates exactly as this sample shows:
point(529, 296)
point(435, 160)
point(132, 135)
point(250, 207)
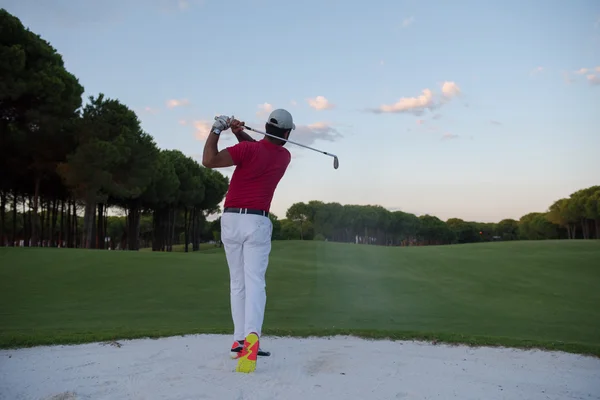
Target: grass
point(519, 294)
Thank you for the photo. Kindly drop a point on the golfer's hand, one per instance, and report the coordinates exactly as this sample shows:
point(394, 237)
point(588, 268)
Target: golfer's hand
point(221, 123)
point(237, 126)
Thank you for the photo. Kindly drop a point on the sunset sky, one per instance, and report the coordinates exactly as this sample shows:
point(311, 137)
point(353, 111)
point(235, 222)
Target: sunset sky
point(479, 110)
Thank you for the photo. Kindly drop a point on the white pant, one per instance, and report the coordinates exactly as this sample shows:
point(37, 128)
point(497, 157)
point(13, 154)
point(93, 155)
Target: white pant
point(247, 242)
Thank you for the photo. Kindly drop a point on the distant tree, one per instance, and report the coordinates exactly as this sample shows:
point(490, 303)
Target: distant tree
point(38, 97)
point(563, 213)
point(60, 159)
point(299, 213)
point(405, 227)
point(111, 161)
point(508, 229)
point(290, 230)
point(434, 231)
point(592, 209)
point(536, 226)
point(582, 207)
point(276, 227)
point(464, 232)
point(160, 198)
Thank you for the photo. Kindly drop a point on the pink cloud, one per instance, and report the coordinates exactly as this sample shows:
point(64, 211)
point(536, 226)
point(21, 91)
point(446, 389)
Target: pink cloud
point(177, 103)
point(593, 79)
point(450, 89)
point(264, 110)
point(419, 104)
point(150, 110)
point(320, 103)
point(591, 74)
point(202, 129)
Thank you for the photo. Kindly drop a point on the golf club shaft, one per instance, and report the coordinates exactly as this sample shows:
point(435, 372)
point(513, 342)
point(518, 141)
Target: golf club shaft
point(290, 141)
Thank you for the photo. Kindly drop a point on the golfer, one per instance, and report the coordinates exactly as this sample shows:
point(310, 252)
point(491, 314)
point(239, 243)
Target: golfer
point(245, 225)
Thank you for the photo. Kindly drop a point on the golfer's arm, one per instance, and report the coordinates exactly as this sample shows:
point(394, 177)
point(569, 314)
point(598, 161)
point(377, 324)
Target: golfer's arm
point(212, 157)
point(244, 137)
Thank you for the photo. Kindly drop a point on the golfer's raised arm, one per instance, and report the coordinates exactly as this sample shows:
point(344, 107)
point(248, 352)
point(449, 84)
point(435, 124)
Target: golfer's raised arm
point(212, 157)
point(237, 128)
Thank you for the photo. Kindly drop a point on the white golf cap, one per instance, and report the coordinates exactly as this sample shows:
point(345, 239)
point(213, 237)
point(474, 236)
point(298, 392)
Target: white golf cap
point(282, 119)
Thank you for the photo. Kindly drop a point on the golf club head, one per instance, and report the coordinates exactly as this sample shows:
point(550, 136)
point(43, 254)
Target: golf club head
point(336, 162)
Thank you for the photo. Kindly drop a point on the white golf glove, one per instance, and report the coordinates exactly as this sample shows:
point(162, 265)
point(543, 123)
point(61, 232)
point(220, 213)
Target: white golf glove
point(222, 123)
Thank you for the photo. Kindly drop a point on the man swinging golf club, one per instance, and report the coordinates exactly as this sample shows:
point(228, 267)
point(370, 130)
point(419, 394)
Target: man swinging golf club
point(245, 225)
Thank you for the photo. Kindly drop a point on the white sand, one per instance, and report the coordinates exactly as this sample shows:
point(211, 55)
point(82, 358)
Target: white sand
point(199, 367)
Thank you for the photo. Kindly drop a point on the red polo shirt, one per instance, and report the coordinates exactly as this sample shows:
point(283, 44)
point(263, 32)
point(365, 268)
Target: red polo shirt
point(259, 168)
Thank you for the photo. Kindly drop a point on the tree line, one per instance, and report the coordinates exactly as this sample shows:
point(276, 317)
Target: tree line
point(65, 164)
point(574, 217)
point(60, 158)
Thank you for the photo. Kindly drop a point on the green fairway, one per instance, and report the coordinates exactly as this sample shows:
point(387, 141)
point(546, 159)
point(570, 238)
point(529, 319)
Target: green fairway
point(523, 294)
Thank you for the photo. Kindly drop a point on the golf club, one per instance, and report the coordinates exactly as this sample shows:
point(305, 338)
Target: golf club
point(336, 162)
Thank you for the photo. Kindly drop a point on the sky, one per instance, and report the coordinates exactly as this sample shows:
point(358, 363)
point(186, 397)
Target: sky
point(480, 110)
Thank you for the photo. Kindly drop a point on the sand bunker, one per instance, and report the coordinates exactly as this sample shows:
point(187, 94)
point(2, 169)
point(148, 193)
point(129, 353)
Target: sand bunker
point(198, 367)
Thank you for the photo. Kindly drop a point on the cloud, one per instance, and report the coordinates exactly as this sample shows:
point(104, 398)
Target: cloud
point(583, 71)
point(264, 110)
point(409, 104)
point(406, 22)
point(150, 110)
point(201, 127)
point(294, 102)
point(449, 136)
point(308, 134)
point(536, 71)
point(493, 122)
point(593, 79)
point(420, 122)
point(177, 103)
point(450, 90)
point(591, 74)
point(419, 104)
point(320, 103)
